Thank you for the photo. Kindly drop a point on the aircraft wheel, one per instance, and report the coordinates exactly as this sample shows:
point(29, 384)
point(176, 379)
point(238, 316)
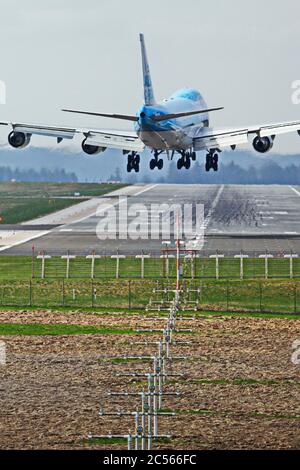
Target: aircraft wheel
point(160, 164)
point(179, 164)
point(194, 156)
point(152, 164)
point(188, 163)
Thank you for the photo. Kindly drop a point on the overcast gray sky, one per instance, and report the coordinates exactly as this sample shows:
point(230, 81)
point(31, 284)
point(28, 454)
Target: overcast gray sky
point(85, 54)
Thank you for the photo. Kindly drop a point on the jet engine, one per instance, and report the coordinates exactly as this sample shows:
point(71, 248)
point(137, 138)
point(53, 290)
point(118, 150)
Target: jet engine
point(19, 140)
point(91, 149)
point(263, 144)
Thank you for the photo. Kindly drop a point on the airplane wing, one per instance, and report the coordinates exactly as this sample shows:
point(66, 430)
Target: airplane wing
point(123, 140)
point(211, 138)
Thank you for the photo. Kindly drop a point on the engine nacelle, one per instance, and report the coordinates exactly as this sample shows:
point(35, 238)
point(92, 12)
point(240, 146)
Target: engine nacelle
point(19, 140)
point(263, 144)
point(91, 149)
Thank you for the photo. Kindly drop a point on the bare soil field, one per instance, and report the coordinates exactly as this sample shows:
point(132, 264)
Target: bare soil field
point(240, 388)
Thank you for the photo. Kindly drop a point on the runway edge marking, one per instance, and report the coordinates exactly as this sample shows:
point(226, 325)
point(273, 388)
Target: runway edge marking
point(28, 239)
point(38, 235)
point(295, 190)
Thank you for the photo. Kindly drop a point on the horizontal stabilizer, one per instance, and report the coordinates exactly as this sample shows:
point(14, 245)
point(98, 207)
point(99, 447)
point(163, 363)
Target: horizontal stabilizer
point(114, 116)
point(165, 117)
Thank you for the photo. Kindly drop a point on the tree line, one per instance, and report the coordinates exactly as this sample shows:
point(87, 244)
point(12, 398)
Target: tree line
point(231, 173)
point(42, 175)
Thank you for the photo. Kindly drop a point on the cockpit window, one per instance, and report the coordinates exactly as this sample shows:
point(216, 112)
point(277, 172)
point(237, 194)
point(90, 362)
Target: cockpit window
point(191, 95)
point(188, 94)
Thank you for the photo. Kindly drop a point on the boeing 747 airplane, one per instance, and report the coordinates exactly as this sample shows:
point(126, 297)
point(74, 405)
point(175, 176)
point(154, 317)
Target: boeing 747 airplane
point(178, 125)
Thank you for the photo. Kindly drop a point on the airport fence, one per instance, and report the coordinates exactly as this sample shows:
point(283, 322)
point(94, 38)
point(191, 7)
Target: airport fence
point(278, 296)
point(146, 266)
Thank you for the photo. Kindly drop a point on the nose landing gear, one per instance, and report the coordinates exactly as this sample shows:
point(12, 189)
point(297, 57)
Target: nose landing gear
point(156, 162)
point(185, 160)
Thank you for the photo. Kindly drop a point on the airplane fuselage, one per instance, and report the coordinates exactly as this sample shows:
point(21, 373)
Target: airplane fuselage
point(172, 134)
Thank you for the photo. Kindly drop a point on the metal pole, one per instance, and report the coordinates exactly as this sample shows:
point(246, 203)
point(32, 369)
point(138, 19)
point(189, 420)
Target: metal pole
point(266, 267)
point(93, 266)
point(217, 266)
point(30, 293)
point(32, 272)
point(161, 380)
point(149, 413)
point(155, 423)
point(68, 267)
point(118, 267)
point(136, 431)
point(291, 267)
point(142, 266)
point(43, 266)
point(129, 441)
point(242, 267)
point(63, 292)
point(177, 256)
point(193, 265)
point(143, 421)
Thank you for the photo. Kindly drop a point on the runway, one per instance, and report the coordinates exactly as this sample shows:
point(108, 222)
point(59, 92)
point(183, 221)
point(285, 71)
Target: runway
point(249, 218)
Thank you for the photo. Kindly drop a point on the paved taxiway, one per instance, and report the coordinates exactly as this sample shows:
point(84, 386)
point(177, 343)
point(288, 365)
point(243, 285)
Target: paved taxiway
point(249, 218)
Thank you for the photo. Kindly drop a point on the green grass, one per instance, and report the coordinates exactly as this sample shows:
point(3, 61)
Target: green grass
point(113, 440)
point(21, 202)
point(121, 360)
point(16, 210)
point(39, 329)
point(19, 189)
point(258, 299)
point(104, 441)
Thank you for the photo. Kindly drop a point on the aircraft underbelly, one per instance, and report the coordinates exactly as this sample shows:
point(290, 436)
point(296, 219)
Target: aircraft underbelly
point(165, 140)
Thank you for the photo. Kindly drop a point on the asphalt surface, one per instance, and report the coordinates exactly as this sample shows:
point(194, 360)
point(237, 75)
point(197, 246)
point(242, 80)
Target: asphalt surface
point(249, 218)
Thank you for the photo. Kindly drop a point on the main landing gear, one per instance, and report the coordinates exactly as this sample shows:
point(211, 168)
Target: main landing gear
point(133, 162)
point(185, 160)
point(156, 162)
point(212, 160)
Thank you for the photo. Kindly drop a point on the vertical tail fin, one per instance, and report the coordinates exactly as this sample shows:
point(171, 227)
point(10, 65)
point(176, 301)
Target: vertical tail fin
point(148, 89)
